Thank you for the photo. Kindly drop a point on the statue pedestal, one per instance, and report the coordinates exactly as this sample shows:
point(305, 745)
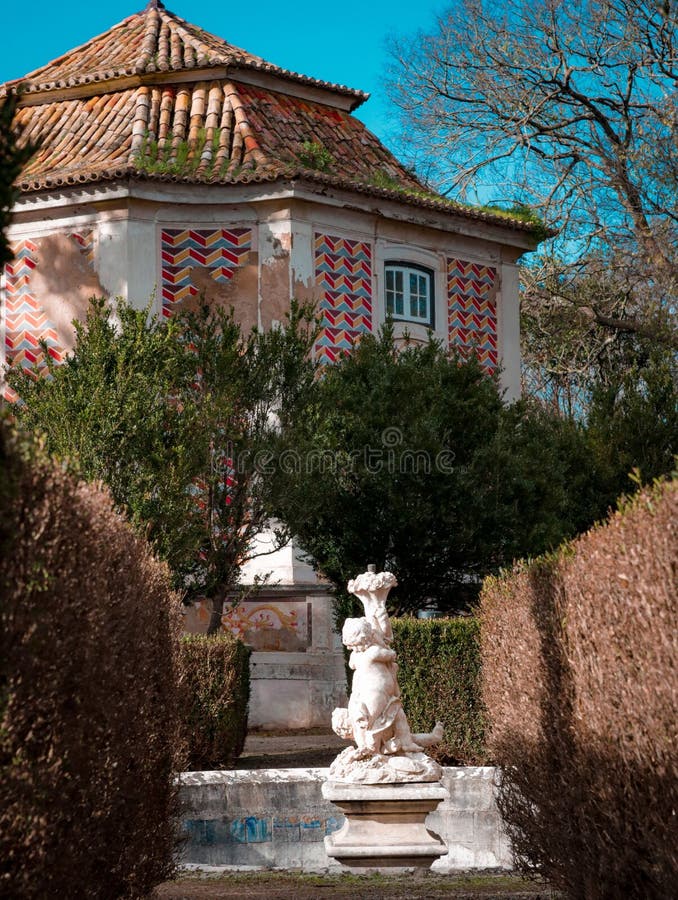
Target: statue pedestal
point(385, 824)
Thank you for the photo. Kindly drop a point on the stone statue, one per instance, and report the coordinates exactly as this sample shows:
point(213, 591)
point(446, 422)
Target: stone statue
point(386, 750)
point(372, 589)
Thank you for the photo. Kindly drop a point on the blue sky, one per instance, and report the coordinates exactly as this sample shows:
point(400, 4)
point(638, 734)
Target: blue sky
point(345, 43)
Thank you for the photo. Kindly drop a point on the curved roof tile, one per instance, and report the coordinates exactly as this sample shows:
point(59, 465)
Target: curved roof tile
point(205, 130)
point(211, 128)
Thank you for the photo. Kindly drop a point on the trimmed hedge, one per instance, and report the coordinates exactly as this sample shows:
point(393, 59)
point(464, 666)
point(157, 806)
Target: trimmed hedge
point(89, 701)
point(215, 676)
point(579, 667)
point(439, 678)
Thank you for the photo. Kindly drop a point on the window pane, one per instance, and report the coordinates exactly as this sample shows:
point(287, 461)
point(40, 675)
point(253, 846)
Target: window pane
point(394, 303)
point(408, 293)
point(394, 292)
point(419, 296)
point(414, 295)
point(423, 297)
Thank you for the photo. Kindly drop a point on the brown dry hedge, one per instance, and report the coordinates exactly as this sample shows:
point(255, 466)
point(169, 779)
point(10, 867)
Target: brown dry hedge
point(579, 672)
point(89, 700)
point(216, 679)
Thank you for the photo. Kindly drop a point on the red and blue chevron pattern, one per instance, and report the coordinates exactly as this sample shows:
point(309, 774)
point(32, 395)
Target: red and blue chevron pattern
point(343, 274)
point(472, 310)
point(85, 241)
point(221, 250)
point(26, 323)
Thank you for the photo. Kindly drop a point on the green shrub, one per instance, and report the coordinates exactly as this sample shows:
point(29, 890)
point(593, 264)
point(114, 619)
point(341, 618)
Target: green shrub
point(413, 463)
point(579, 661)
point(216, 677)
point(88, 686)
point(439, 677)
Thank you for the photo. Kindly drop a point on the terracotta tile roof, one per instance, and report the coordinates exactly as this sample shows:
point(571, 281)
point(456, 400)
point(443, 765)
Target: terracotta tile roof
point(155, 41)
point(202, 130)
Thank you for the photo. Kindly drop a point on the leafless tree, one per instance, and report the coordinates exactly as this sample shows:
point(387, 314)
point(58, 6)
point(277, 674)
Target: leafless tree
point(570, 108)
point(581, 325)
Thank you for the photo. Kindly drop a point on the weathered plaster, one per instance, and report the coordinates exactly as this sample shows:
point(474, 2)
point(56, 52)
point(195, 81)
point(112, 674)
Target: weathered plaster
point(508, 307)
point(275, 242)
point(288, 562)
point(63, 282)
point(385, 210)
point(278, 818)
point(113, 262)
point(289, 214)
point(238, 293)
point(302, 270)
point(142, 277)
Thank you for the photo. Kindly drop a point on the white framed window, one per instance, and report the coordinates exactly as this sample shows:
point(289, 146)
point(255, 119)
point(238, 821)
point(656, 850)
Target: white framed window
point(409, 293)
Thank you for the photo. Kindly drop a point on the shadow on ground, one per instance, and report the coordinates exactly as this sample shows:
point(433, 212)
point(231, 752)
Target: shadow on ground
point(410, 886)
point(310, 749)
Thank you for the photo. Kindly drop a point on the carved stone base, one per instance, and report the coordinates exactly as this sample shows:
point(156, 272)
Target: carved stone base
point(384, 824)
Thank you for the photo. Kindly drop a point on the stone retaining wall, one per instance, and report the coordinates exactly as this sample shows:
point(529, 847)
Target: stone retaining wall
point(277, 818)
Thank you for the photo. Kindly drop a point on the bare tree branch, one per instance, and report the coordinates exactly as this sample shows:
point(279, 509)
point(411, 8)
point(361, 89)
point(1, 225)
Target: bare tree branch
point(570, 108)
point(550, 82)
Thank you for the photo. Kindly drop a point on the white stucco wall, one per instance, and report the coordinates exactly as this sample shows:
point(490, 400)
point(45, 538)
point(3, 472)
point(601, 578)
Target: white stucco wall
point(508, 327)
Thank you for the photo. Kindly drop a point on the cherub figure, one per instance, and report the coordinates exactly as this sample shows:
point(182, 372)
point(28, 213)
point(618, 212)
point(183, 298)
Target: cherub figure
point(375, 717)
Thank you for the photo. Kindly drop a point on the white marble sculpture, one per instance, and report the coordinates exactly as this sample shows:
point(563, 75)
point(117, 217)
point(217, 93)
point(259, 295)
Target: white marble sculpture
point(386, 751)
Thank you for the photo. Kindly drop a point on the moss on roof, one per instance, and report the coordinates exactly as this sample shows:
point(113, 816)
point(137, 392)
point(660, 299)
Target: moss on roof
point(156, 97)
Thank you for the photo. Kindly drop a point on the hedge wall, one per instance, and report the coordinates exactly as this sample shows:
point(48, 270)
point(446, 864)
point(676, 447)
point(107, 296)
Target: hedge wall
point(579, 668)
point(215, 677)
point(439, 677)
point(89, 701)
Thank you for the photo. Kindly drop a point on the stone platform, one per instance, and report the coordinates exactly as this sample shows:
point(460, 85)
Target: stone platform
point(278, 818)
point(384, 824)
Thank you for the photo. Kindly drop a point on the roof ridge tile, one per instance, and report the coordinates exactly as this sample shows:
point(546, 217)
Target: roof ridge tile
point(150, 38)
point(154, 40)
point(183, 28)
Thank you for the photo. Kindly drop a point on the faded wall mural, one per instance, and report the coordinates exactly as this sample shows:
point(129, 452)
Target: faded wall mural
point(261, 624)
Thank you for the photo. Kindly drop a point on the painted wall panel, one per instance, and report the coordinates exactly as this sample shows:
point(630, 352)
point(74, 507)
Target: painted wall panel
point(343, 278)
point(187, 254)
point(472, 310)
point(264, 625)
point(46, 286)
